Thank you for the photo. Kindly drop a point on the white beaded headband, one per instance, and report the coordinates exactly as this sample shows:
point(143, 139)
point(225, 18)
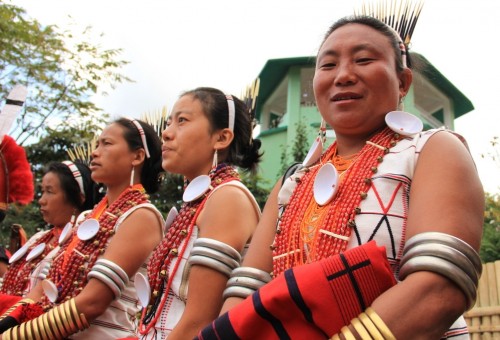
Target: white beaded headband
point(143, 136)
point(231, 109)
point(76, 174)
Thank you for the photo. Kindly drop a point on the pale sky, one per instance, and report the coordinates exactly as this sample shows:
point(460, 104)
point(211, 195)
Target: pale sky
point(176, 45)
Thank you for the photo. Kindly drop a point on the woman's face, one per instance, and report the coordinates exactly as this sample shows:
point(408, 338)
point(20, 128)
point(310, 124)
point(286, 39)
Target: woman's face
point(54, 207)
point(188, 145)
point(355, 82)
point(112, 159)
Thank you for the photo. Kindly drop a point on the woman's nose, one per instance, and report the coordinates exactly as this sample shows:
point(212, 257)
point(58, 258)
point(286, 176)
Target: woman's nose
point(94, 152)
point(345, 74)
point(166, 133)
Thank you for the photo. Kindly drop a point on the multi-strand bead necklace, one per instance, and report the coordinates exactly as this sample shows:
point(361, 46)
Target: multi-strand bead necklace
point(75, 259)
point(18, 275)
point(308, 232)
point(181, 228)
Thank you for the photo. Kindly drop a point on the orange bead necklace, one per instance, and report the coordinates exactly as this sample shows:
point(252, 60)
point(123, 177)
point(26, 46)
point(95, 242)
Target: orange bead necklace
point(308, 232)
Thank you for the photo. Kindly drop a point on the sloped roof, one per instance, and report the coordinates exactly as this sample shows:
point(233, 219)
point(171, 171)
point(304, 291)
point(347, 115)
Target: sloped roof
point(461, 104)
point(273, 73)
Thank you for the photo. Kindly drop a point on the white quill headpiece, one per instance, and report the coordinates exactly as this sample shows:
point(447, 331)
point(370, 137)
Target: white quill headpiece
point(13, 104)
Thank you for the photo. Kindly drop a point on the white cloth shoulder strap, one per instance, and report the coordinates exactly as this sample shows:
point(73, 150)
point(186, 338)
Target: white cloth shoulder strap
point(139, 206)
point(242, 186)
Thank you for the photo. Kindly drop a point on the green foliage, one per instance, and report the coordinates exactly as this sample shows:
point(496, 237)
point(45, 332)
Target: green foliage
point(494, 153)
point(170, 193)
point(490, 245)
point(284, 164)
point(256, 184)
point(299, 149)
point(55, 144)
point(61, 71)
point(28, 216)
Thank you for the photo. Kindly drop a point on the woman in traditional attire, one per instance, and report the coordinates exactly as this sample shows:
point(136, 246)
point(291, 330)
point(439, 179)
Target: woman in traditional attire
point(88, 293)
point(67, 190)
point(380, 232)
point(208, 134)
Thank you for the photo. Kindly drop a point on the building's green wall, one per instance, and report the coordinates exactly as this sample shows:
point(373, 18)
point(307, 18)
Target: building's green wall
point(273, 142)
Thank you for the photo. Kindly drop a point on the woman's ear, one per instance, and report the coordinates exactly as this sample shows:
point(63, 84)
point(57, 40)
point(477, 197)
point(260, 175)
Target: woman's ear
point(405, 80)
point(138, 157)
point(224, 139)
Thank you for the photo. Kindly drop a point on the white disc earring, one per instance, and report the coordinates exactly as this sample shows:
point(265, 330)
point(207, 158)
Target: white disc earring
point(316, 149)
point(403, 123)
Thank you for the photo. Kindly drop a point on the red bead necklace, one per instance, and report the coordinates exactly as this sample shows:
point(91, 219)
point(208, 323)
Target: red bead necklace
point(69, 272)
point(181, 228)
point(306, 236)
point(17, 277)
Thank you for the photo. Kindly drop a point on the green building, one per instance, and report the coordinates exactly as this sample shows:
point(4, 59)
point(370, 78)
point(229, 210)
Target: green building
point(286, 101)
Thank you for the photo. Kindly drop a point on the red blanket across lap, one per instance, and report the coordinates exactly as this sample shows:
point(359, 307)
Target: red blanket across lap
point(313, 301)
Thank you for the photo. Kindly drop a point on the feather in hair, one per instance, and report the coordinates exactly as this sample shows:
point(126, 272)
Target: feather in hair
point(402, 16)
point(156, 119)
point(82, 153)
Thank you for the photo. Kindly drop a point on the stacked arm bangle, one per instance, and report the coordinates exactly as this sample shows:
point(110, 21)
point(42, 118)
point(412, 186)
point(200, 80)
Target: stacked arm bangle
point(245, 281)
point(449, 240)
point(368, 325)
point(215, 255)
point(446, 255)
point(443, 252)
point(58, 323)
point(111, 275)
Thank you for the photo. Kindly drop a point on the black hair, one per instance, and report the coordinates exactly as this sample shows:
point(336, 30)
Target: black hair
point(379, 26)
point(3, 255)
point(150, 175)
point(244, 150)
point(70, 186)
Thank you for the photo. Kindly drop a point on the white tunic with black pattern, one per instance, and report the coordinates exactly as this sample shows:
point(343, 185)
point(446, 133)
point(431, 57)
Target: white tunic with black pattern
point(384, 212)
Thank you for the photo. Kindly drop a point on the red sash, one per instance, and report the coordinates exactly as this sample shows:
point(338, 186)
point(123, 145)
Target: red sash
point(12, 315)
point(7, 301)
point(312, 301)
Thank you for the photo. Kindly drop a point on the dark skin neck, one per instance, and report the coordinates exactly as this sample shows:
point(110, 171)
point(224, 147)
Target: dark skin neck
point(114, 192)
